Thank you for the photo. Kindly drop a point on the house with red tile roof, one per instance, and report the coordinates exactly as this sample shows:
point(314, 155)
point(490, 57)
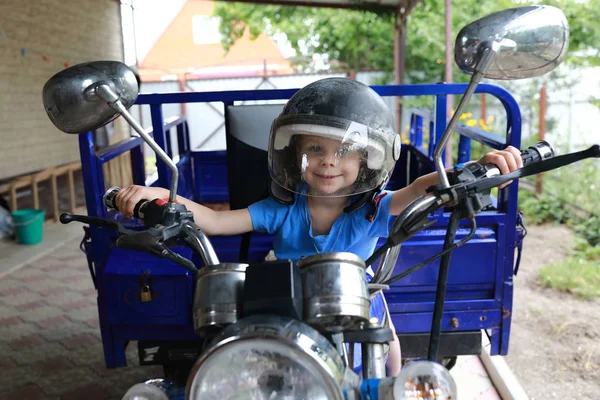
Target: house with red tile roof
point(190, 48)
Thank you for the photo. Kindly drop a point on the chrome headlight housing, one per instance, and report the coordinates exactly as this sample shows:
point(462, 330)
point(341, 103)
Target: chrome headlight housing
point(265, 357)
point(424, 380)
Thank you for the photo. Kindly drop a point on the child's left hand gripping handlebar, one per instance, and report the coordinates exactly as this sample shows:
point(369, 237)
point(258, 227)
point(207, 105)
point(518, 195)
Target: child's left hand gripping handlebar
point(165, 221)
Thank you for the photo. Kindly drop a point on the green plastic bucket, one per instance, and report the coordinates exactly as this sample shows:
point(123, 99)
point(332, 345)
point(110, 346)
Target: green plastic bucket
point(29, 225)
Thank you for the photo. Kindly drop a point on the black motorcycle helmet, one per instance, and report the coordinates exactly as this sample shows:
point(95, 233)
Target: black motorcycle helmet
point(334, 137)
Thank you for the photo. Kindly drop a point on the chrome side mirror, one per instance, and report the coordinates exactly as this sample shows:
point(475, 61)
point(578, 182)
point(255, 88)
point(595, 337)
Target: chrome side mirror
point(87, 96)
point(73, 97)
point(530, 41)
point(516, 43)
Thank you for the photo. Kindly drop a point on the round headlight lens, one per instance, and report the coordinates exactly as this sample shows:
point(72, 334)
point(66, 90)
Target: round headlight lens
point(261, 369)
point(424, 380)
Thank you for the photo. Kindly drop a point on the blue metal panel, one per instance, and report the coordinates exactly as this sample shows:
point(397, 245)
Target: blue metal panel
point(171, 286)
point(210, 176)
point(468, 320)
point(111, 152)
point(464, 149)
point(450, 305)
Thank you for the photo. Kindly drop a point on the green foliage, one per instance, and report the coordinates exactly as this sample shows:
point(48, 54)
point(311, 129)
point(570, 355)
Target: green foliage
point(573, 191)
point(575, 275)
point(582, 248)
point(351, 40)
point(346, 40)
point(542, 209)
point(578, 274)
point(584, 35)
point(589, 229)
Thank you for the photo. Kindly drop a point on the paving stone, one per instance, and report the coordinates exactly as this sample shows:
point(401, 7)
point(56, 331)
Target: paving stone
point(27, 392)
point(24, 297)
point(13, 379)
point(83, 340)
point(7, 283)
point(7, 362)
point(26, 342)
point(12, 291)
point(83, 314)
point(52, 322)
point(7, 312)
point(43, 315)
point(52, 365)
point(88, 392)
point(58, 333)
point(16, 331)
point(10, 322)
point(35, 353)
point(30, 306)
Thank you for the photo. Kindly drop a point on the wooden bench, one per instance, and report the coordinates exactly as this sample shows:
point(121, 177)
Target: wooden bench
point(32, 181)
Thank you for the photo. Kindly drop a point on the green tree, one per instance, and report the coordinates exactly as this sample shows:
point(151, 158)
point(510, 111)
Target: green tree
point(351, 41)
point(346, 40)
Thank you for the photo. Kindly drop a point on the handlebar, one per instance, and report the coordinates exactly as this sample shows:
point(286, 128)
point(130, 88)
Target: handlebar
point(165, 221)
point(414, 217)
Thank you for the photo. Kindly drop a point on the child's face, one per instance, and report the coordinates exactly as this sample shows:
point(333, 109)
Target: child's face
point(327, 165)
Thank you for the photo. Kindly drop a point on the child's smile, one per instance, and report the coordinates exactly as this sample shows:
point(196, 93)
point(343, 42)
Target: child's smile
point(328, 165)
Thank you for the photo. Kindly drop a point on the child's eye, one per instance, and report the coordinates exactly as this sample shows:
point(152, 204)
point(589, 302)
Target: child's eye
point(314, 149)
point(343, 151)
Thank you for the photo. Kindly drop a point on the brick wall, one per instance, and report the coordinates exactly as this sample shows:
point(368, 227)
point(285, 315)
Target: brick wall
point(37, 38)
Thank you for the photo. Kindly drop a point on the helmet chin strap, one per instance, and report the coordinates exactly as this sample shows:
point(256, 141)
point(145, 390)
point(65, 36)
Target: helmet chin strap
point(280, 194)
point(286, 197)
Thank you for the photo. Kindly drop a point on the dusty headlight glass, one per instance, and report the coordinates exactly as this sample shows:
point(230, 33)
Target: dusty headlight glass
point(271, 358)
point(424, 380)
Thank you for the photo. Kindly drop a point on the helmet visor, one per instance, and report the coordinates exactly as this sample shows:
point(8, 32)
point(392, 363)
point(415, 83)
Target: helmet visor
point(326, 156)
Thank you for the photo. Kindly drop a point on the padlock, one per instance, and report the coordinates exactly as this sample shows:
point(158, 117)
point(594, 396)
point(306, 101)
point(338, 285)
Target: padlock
point(146, 294)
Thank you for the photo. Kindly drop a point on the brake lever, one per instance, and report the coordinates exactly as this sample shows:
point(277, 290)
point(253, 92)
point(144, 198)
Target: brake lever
point(66, 218)
point(142, 241)
point(147, 242)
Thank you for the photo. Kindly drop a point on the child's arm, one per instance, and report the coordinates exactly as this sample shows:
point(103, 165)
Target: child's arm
point(232, 222)
point(506, 160)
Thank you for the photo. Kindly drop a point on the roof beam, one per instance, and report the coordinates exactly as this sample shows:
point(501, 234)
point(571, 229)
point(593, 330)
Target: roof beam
point(379, 6)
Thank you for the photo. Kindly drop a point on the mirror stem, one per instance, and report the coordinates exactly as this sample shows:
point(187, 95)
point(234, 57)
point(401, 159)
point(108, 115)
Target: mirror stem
point(105, 93)
point(486, 53)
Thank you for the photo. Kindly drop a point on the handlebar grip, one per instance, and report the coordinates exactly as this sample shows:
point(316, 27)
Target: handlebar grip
point(542, 150)
point(138, 212)
point(109, 200)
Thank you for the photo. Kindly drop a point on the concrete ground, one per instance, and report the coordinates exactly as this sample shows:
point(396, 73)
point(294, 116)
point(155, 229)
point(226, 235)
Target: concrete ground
point(50, 345)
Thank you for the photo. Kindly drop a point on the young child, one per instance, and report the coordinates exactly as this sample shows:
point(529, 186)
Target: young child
point(331, 153)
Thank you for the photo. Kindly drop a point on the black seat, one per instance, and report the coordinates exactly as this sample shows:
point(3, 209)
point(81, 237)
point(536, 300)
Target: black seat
point(247, 129)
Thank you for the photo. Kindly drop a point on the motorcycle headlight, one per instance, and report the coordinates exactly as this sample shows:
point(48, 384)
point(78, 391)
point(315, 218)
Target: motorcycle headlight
point(268, 357)
point(424, 380)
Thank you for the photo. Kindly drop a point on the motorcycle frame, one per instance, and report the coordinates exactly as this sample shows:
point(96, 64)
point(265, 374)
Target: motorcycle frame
point(416, 315)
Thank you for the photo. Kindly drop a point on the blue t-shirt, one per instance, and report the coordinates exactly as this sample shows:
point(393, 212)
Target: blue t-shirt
point(292, 227)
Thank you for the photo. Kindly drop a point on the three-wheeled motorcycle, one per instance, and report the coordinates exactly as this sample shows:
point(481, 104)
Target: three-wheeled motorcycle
point(225, 323)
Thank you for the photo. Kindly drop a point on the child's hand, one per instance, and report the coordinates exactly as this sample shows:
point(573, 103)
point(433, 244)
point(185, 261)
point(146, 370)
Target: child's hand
point(128, 198)
point(506, 160)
